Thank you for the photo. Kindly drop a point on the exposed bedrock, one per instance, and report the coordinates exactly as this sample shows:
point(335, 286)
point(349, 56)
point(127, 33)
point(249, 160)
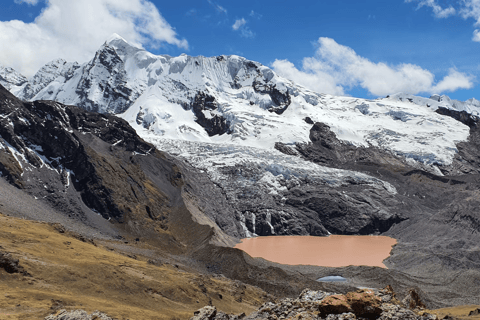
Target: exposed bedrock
point(114, 89)
point(94, 169)
point(467, 160)
point(281, 100)
point(275, 200)
point(435, 218)
point(202, 106)
point(317, 210)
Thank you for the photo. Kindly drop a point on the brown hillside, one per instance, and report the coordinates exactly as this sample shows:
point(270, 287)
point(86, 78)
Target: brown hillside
point(60, 271)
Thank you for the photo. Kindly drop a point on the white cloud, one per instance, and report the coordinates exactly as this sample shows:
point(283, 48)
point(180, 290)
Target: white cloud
point(245, 32)
point(239, 23)
point(74, 30)
point(30, 2)
point(471, 9)
point(476, 35)
point(465, 8)
point(317, 80)
point(218, 7)
point(255, 15)
point(336, 68)
point(453, 81)
point(438, 11)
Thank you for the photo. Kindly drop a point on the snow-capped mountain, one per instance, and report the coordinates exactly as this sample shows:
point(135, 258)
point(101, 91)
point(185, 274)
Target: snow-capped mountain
point(229, 99)
point(11, 79)
point(471, 106)
point(226, 116)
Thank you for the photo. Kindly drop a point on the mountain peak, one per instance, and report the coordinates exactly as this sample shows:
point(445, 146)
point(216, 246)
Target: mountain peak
point(121, 46)
point(10, 78)
point(115, 37)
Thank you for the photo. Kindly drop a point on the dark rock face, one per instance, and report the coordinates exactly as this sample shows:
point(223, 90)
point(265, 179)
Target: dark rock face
point(462, 116)
point(474, 312)
point(467, 160)
point(213, 125)
point(285, 149)
point(9, 264)
point(87, 165)
point(115, 93)
point(280, 99)
point(357, 214)
point(304, 206)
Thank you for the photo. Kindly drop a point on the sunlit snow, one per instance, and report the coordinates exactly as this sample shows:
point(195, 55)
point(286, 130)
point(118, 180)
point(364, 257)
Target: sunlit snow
point(155, 94)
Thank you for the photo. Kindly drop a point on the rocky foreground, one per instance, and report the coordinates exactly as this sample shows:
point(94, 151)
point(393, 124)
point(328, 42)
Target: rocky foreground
point(362, 304)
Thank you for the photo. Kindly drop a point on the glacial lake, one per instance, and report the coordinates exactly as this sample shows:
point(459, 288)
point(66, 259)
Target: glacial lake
point(331, 251)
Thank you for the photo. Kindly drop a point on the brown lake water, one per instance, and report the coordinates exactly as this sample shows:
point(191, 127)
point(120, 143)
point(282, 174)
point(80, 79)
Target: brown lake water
point(331, 251)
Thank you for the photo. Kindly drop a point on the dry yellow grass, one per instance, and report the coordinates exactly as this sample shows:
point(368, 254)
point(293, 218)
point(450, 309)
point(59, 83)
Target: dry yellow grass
point(460, 312)
point(71, 274)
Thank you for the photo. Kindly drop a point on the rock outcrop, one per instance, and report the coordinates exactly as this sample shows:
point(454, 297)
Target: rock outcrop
point(10, 264)
point(362, 304)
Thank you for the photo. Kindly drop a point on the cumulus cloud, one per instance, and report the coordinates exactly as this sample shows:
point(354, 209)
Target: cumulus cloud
point(453, 81)
point(239, 23)
point(336, 68)
point(316, 80)
point(74, 30)
point(438, 11)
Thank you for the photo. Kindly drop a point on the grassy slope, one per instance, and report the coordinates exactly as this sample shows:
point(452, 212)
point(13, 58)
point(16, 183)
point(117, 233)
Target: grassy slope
point(460, 312)
point(68, 273)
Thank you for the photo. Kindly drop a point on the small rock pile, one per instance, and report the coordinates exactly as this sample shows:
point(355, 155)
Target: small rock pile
point(315, 305)
point(77, 315)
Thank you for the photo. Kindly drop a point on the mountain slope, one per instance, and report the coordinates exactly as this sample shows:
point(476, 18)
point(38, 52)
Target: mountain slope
point(280, 159)
point(62, 270)
point(91, 174)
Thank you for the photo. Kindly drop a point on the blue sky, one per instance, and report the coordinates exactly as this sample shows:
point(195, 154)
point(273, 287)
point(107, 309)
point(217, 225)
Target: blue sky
point(360, 48)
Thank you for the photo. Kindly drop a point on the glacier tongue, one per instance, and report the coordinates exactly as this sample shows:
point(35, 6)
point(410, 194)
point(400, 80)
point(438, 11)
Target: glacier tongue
point(269, 169)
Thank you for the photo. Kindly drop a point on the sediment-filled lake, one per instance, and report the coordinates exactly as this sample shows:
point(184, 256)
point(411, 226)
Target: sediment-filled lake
point(331, 251)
